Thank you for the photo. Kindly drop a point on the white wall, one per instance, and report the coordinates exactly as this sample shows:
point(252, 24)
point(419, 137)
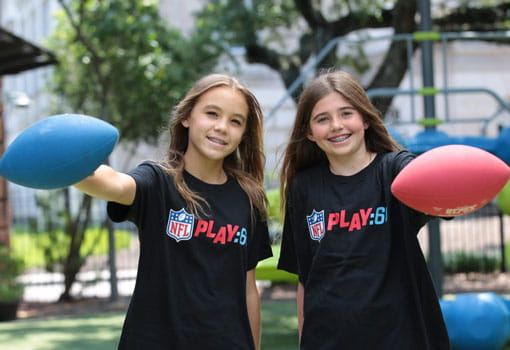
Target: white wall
point(30, 20)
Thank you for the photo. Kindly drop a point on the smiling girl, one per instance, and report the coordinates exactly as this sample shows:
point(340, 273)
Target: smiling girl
point(201, 220)
point(363, 280)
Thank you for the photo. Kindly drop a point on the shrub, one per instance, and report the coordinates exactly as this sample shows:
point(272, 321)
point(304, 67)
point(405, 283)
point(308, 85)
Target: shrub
point(11, 267)
point(461, 262)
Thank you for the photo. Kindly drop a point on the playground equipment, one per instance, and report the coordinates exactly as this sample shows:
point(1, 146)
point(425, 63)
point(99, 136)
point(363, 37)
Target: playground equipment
point(428, 139)
point(477, 321)
point(503, 199)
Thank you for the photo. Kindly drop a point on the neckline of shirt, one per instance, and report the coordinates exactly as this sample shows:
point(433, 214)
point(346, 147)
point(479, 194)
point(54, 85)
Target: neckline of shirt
point(196, 182)
point(354, 177)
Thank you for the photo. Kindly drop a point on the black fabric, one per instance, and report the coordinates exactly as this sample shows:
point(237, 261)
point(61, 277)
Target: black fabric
point(18, 55)
point(190, 290)
point(366, 282)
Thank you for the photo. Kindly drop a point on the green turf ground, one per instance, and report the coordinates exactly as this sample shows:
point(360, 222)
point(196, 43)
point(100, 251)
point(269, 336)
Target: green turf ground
point(102, 331)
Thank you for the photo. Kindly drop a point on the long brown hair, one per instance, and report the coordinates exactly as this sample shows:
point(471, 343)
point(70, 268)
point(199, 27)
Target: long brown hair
point(301, 153)
point(246, 164)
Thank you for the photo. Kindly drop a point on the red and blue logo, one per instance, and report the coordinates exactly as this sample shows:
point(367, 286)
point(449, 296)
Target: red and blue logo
point(180, 225)
point(316, 225)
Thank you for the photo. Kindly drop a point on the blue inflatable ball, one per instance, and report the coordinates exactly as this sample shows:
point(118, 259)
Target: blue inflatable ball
point(477, 321)
point(502, 149)
point(426, 140)
point(396, 136)
point(483, 142)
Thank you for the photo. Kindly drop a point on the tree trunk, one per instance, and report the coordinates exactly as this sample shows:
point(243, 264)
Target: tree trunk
point(76, 228)
point(5, 218)
point(395, 64)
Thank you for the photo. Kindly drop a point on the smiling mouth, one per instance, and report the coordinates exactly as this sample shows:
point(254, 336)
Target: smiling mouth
point(339, 138)
point(217, 141)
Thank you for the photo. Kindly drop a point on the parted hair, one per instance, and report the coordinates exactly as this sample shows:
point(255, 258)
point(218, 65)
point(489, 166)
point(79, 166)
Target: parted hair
point(246, 164)
point(301, 153)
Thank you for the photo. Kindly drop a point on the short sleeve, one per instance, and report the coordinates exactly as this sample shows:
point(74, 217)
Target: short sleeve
point(399, 162)
point(144, 176)
point(260, 247)
point(296, 254)
point(288, 259)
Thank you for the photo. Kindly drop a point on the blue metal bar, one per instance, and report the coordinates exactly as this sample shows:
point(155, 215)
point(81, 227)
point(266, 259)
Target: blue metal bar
point(444, 49)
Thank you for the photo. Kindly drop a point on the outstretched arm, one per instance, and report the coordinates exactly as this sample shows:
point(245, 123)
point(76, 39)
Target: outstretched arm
point(109, 184)
point(253, 302)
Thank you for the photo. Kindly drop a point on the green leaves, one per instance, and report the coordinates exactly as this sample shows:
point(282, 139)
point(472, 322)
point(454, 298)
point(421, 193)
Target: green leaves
point(237, 23)
point(121, 62)
point(11, 267)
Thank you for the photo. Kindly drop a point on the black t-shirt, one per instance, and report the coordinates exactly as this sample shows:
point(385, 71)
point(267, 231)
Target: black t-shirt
point(190, 290)
point(355, 249)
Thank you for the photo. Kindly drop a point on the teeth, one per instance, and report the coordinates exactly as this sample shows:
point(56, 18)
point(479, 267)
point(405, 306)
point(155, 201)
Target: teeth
point(339, 139)
point(217, 141)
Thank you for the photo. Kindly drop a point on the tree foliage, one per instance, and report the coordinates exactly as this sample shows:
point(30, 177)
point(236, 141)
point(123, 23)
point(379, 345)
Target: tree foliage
point(120, 62)
point(286, 34)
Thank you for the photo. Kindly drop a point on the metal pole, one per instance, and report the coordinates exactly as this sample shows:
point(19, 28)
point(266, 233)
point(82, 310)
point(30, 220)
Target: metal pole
point(427, 60)
point(114, 291)
point(5, 218)
point(502, 241)
point(112, 256)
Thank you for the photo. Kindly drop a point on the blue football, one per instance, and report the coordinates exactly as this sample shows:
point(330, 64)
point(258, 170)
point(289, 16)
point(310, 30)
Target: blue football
point(58, 151)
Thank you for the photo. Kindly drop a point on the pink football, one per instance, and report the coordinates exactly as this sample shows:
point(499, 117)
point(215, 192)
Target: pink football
point(451, 180)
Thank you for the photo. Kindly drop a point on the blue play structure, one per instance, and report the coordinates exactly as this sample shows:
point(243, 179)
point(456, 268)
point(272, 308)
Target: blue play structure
point(477, 321)
point(428, 139)
point(432, 137)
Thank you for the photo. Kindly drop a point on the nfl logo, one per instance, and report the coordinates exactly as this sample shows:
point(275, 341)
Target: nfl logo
point(316, 225)
point(180, 225)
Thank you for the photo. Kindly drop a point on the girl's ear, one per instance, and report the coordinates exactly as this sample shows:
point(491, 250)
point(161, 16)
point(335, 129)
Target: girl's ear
point(185, 123)
point(309, 136)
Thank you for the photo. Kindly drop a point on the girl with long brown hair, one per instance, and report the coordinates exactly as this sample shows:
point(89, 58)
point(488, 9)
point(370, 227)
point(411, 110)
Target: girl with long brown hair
point(201, 216)
point(363, 280)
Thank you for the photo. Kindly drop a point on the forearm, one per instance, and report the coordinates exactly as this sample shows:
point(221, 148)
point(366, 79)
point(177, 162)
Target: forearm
point(110, 185)
point(253, 303)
